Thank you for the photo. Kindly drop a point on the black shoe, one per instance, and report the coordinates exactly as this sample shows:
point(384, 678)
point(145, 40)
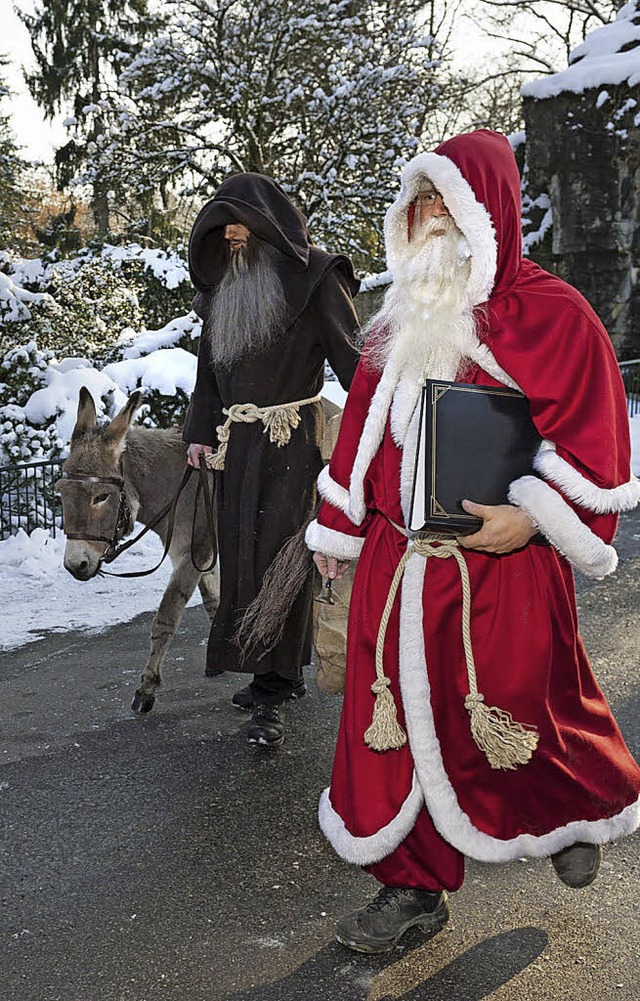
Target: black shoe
point(378, 926)
point(267, 726)
point(243, 699)
point(577, 865)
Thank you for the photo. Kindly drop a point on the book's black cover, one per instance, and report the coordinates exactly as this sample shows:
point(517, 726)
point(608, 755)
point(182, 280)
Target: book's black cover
point(474, 441)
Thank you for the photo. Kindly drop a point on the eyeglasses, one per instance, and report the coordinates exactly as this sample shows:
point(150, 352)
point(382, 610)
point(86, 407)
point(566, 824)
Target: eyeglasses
point(427, 197)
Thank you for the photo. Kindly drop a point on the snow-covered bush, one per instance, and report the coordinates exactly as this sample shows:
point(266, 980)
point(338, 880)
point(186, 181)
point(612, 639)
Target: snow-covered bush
point(23, 371)
point(81, 305)
point(159, 278)
point(27, 496)
point(92, 306)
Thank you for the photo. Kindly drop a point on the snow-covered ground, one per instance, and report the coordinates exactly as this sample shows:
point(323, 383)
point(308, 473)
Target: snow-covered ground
point(38, 595)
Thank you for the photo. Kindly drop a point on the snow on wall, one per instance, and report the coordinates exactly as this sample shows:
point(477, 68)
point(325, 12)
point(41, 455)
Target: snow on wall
point(599, 60)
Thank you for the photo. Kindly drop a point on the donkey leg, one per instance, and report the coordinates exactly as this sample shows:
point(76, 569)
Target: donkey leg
point(181, 586)
point(209, 586)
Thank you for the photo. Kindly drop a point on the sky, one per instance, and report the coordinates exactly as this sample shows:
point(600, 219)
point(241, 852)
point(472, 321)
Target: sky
point(37, 137)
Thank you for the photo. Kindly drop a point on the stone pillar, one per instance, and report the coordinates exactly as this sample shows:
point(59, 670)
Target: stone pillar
point(583, 162)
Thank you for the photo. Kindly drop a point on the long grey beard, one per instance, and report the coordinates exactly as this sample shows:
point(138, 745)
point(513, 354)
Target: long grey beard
point(249, 307)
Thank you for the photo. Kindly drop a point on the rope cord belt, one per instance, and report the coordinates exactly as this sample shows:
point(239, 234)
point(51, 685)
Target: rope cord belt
point(505, 742)
point(279, 420)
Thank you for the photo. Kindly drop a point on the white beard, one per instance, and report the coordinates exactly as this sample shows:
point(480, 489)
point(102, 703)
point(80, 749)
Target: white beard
point(426, 325)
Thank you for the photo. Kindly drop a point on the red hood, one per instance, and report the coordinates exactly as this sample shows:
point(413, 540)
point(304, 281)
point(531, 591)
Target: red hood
point(478, 178)
point(486, 161)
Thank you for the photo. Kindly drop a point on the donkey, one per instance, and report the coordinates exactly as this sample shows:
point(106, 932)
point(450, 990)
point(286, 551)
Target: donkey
point(116, 475)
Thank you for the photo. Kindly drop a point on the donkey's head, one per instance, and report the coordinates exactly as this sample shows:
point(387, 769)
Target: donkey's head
point(92, 488)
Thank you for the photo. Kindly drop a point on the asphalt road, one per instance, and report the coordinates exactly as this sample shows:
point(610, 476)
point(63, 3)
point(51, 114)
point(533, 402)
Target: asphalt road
point(163, 859)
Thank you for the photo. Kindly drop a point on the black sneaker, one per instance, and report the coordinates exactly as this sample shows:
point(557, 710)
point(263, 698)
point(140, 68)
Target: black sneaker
point(577, 865)
point(267, 726)
point(378, 926)
point(243, 699)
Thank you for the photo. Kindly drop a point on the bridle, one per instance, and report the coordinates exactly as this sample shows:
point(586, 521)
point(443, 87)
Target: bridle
point(124, 518)
point(124, 521)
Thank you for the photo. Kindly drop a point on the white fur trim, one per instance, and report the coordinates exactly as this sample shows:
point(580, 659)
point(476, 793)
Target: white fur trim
point(440, 799)
point(405, 398)
point(483, 357)
point(471, 217)
point(562, 527)
point(332, 492)
point(364, 851)
point(372, 434)
point(582, 491)
point(327, 541)
point(408, 464)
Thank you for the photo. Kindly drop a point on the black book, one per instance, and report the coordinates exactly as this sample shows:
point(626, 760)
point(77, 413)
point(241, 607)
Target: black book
point(474, 441)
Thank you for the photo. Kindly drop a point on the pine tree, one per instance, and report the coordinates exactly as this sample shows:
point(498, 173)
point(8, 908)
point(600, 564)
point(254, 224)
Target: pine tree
point(11, 168)
point(80, 47)
point(328, 96)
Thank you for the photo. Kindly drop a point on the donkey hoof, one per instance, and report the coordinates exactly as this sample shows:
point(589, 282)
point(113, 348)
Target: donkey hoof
point(142, 703)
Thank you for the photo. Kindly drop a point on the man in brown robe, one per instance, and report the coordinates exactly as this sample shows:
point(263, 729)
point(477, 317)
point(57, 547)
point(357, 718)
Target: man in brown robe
point(274, 308)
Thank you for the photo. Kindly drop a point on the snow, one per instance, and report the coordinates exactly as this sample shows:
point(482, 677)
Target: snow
point(168, 266)
point(13, 300)
point(167, 370)
point(376, 281)
point(60, 395)
point(166, 337)
point(598, 61)
point(38, 595)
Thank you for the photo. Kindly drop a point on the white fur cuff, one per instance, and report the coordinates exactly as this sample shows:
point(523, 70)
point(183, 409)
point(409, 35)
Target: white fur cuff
point(581, 490)
point(321, 539)
point(332, 492)
point(562, 527)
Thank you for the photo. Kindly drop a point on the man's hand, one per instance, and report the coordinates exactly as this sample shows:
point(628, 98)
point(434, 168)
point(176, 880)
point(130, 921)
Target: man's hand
point(195, 451)
point(504, 528)
point(330, 567)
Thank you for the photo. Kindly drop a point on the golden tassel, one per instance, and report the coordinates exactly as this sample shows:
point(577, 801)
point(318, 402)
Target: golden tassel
point(385, 733)
point(505, 742)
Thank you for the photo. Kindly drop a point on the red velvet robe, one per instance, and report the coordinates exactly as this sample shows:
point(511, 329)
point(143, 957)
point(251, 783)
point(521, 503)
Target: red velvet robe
point(581, 783)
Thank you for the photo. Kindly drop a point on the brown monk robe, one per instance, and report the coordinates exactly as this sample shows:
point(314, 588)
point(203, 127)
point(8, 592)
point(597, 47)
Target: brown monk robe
point(274, 308)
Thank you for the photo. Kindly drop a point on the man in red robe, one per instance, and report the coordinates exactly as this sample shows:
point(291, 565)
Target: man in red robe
point(553, 777)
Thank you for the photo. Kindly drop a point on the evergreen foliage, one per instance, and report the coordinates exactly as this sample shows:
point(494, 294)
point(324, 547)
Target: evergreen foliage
point(80, 46)
point(11, 168)
point(23, 370)
point(328, 96)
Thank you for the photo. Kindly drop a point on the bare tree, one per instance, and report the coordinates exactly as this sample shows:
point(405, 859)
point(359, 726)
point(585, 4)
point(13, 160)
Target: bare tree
point(542, 33)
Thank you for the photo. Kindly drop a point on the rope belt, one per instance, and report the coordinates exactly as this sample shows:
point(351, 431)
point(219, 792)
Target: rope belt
point(278, 420)
point(505, 742)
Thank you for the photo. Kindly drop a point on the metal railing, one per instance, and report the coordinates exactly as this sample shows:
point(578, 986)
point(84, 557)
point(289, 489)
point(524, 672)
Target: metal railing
point(631, 377)
point(28, 499)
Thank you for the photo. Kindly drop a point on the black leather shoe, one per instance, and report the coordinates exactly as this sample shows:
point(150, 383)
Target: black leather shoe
point(577, 865)
point(243, 699)
point(267, 726)
point(378, 926)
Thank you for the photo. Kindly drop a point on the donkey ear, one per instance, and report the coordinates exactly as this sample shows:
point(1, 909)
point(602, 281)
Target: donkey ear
point(86, 418)
point(119, 426)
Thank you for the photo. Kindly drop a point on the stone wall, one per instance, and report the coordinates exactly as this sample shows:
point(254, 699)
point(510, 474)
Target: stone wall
point(591, 175)
point(581, 179)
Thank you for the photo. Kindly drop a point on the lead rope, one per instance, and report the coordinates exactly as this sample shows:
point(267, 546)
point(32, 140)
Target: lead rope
point(505, 742)
point(279, 420)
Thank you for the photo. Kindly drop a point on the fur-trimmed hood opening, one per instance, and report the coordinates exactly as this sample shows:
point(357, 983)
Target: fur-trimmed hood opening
point(478, 178)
